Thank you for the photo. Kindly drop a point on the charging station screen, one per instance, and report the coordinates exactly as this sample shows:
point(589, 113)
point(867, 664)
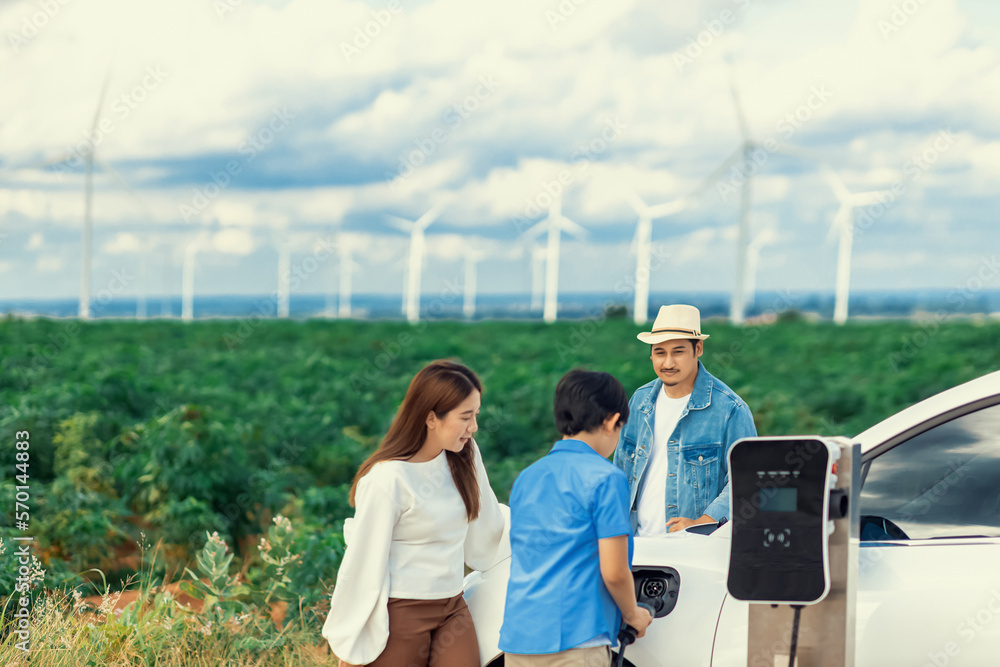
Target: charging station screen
point(778, 500)
point(779, 491)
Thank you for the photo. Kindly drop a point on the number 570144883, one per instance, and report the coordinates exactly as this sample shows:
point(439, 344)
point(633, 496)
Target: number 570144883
point(22, 458)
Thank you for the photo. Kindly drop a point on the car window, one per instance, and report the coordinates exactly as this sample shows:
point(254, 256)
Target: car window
point(944, 482)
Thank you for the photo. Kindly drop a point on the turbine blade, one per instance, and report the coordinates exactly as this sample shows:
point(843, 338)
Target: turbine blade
point(424, 221)
point(535, 231)
point(867, 198)
point(744, 129)
point(402, 224)
point(669, 208)
point(837, 185)
point(100, 102)
point(717, 173)
point(571, 227)
point(635, 201)
point(125, 185)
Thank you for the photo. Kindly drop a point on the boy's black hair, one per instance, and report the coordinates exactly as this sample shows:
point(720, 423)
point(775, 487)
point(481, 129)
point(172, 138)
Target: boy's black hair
point(584, 399)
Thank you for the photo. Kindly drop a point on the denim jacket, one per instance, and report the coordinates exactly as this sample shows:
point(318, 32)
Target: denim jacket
point(714, 418)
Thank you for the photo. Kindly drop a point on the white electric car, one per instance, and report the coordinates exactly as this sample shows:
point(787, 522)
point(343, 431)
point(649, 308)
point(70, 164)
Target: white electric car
point(929, 557)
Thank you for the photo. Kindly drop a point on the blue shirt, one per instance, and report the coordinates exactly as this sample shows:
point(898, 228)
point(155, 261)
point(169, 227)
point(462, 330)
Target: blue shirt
point(560, 507)
point(698, 483)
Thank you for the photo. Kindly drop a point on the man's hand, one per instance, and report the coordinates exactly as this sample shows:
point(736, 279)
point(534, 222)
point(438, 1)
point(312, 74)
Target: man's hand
point(640, 620)
point(680, 522)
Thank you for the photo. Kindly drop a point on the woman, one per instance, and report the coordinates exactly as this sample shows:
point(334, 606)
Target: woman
point(424, 507)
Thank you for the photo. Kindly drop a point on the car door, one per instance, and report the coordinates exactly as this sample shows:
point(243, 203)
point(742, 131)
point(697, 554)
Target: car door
point(929, 567)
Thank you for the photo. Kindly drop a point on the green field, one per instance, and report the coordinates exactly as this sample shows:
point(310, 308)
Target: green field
point(169, 430)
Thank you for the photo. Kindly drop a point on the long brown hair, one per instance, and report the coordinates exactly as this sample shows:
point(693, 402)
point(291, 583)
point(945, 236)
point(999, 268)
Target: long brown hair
point(439, 387)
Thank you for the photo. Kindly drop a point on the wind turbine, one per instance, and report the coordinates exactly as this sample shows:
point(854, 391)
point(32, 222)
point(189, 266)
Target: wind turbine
point(88, 222)
point(555, 223)
point(843, 222)
point(284, 242)
point(737, 306)
point(763, 238)
point(347, 266)
point(643, 241)
point(141, 307)
point(743, 154)
point(415, 265)
point(284, 276)
point(200, 242)
point(83, 310)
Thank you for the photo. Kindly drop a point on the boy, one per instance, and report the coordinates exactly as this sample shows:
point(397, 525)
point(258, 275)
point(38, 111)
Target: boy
point(571, 541)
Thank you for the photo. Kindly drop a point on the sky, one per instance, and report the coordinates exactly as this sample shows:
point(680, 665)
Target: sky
point(231, 127)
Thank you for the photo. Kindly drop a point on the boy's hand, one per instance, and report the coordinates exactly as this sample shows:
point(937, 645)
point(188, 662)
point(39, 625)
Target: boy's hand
point(640, 620)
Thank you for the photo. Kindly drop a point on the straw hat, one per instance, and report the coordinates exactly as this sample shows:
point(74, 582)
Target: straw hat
point(674, 322)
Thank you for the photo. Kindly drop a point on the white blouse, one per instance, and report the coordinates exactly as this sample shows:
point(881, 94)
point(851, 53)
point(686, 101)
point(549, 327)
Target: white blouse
point(409, 538)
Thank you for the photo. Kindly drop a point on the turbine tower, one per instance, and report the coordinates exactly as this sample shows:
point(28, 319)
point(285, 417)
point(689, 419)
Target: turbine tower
point(140, 302)
point(472, 259)
point(555, 223)
point(347, 267)
point(284, 276)
point(88, 222)
point(537, 276)
point(744, 156)
point(737, 306)
point(843, 222)
point(643, 242)
point(187, 281)
point(763, 238)
point(418, 246)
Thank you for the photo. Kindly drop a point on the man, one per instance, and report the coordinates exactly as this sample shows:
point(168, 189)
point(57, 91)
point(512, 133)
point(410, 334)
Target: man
point(674, 449)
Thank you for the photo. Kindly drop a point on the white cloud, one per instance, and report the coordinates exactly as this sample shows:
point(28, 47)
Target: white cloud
point(233, 242)
point(48, 264)
point(195, 85)
point(985, 160)
point(124, 243)
point(879, 260)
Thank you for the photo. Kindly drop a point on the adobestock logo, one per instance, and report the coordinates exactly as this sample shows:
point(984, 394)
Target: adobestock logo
point(453, 118)
point(581, 160)
point(363, 35)
point(122, 107)
point(713, 30)
point(900, 16)
point(250, 148)
point(30, 25)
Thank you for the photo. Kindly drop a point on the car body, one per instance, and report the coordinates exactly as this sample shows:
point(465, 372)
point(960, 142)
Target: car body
point(928, 586)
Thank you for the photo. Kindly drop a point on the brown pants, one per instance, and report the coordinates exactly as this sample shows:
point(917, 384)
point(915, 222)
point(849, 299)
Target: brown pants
point(597, 656)
point(429, 633)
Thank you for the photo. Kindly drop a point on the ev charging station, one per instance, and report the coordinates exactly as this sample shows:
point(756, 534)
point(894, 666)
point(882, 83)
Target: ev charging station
point(794, 549)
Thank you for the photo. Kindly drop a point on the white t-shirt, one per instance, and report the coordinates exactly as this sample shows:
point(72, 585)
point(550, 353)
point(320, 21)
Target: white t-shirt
point(652, 508)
